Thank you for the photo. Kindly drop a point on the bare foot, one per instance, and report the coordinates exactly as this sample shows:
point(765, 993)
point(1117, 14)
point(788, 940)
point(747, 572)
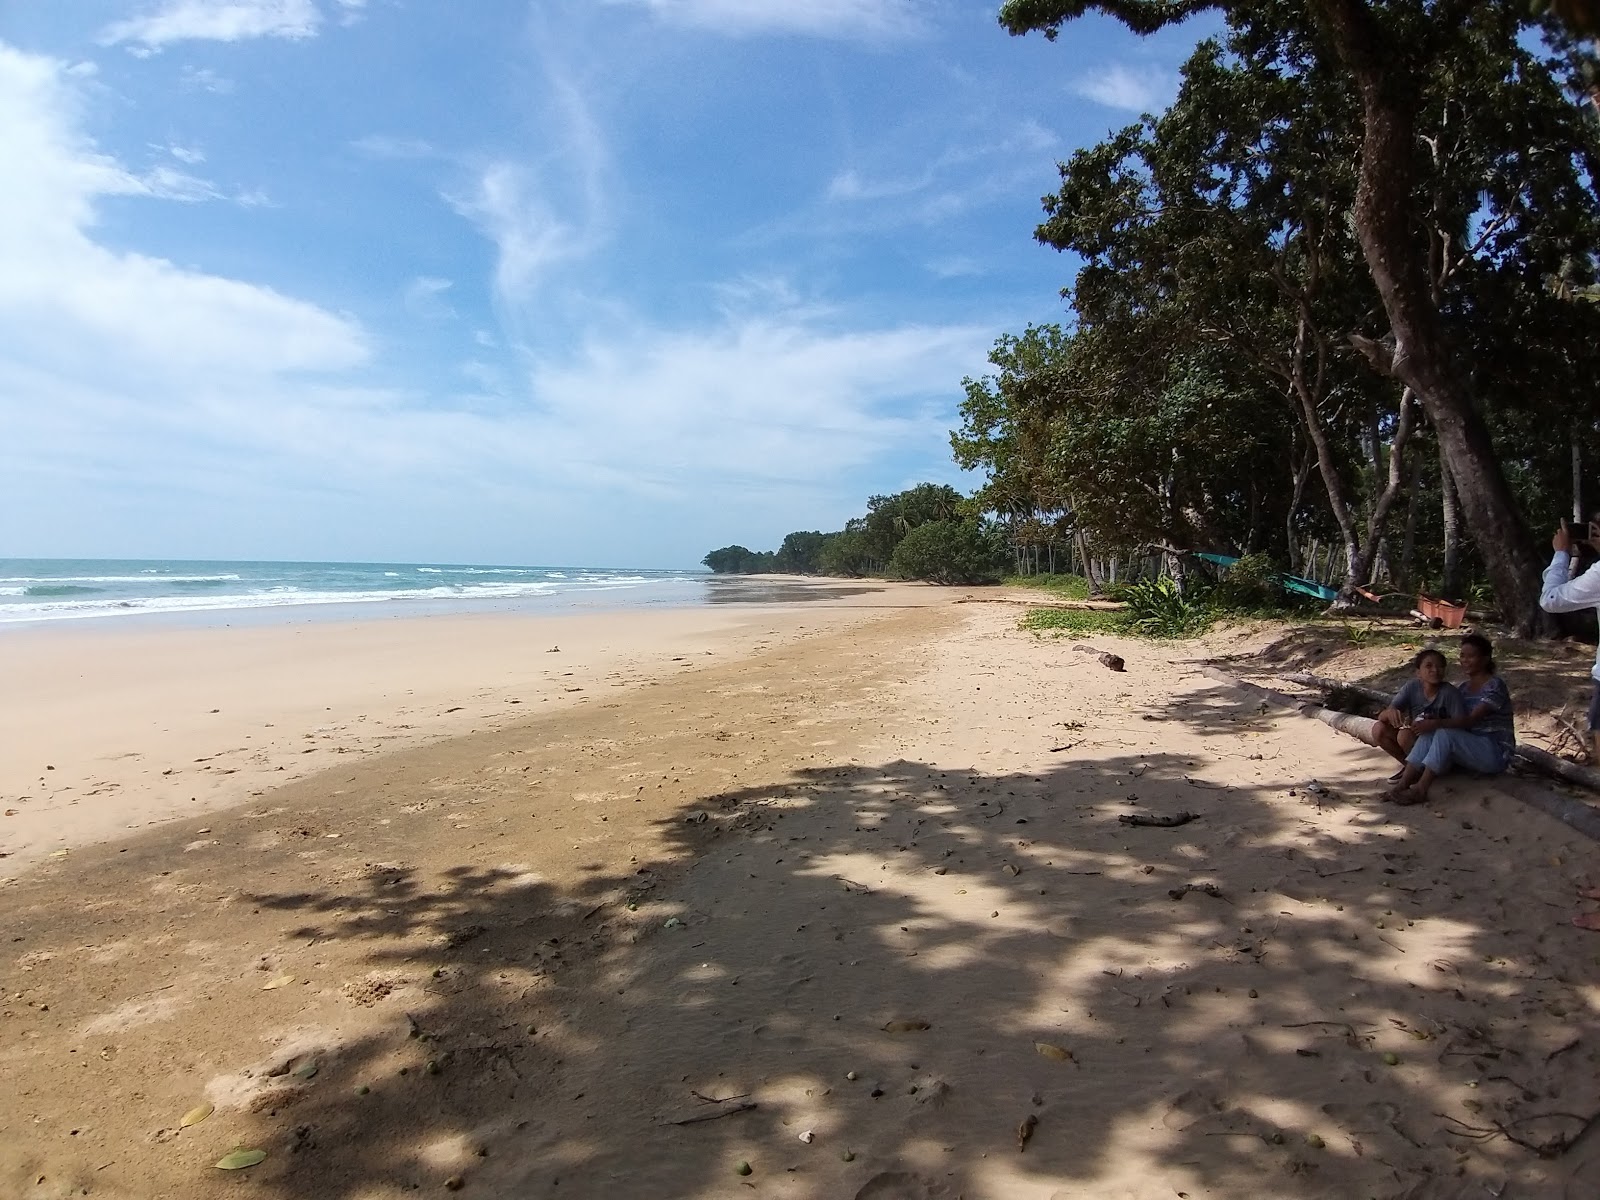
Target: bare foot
point(1406, 797)
point(1590, 893)
point(1587, 921)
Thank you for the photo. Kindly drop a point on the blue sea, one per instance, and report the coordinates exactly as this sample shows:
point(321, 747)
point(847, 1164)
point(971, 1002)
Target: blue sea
point(56, 589)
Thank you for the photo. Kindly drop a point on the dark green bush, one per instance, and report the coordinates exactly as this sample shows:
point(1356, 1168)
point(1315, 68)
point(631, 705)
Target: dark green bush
point(948, 552)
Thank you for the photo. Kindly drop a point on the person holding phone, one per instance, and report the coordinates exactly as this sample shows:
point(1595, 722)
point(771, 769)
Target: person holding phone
point(1563, 594)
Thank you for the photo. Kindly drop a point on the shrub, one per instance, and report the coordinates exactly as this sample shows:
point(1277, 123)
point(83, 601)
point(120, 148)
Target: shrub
point(1156, 608)
point(948, 552)
point(1250, 585)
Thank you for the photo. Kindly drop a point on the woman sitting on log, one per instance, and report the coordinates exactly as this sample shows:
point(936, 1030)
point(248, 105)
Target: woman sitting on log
point(1481, 739)
point(1426, 695)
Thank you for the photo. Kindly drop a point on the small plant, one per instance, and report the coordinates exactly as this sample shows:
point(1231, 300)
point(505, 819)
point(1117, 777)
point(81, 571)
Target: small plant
point(1359, 636)
point(1158, 609)
point(1068, 587)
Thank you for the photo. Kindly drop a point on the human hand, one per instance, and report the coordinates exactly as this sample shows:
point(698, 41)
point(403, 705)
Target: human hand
point(1423, 725)
point(1561, 543)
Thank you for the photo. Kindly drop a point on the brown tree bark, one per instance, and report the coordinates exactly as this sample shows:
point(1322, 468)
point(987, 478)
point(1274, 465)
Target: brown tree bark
point(1389, 229)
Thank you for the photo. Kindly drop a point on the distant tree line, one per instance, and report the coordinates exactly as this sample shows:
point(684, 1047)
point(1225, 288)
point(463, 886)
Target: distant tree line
point(929, 532)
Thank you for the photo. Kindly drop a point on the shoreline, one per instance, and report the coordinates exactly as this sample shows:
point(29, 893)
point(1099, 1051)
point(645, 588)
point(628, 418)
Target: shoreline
point(116, 727)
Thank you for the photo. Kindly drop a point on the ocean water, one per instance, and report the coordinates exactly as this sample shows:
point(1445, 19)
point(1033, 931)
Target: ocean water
point(55, 589)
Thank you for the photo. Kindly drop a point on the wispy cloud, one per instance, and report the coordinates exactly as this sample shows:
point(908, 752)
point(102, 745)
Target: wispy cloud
point(841, 19)
point(424, 297)
point(542, 213)
point(204, 79)
point(379, 145)
point(216, 20)
point(1137, 90)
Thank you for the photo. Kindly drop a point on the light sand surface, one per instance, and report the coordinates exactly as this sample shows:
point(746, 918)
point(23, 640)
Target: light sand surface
point(120, 726)
point(855, 911)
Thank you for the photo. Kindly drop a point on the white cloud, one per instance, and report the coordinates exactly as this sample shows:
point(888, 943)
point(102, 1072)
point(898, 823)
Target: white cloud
point(509, 207)
point(871, 19)
point(216, 20)
point(778, 400)
point(62, 290)
point(189, 155)
point(1136, 90)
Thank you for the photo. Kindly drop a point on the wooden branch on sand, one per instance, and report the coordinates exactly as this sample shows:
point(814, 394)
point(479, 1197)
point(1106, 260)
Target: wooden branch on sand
point(1541, 762)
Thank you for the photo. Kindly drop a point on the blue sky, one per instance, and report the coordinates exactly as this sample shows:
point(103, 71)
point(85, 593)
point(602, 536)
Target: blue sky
point(553, 281)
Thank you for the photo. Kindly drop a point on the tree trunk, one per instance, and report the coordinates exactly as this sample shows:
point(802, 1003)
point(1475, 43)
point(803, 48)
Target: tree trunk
point(1451, 512)
point(1386, 226)
point(1088, 563)
point(1362, 568)
point(1302, 474)
point(1332, 481)
point(1408, 547)
point(1577, 483)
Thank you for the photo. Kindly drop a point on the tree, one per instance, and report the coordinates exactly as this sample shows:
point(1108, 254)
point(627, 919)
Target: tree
point(1391, 55)
point(737, 560)
point(949, 552)
point(801, 553)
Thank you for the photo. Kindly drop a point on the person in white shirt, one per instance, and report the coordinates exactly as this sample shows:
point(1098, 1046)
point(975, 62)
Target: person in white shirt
point(1561, 594)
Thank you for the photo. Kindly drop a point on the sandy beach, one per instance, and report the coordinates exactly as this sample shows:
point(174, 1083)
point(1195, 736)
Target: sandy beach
point(844, 908)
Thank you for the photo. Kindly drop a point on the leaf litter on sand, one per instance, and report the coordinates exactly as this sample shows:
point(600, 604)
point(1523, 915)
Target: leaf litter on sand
point(196, 1114)
point(238, 1160)
point(273, 985)
point(1055, 1053)
point(907, 1025)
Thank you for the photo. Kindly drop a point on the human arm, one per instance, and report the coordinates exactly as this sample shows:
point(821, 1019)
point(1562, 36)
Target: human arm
point(1558, 593)
point(1456, 713)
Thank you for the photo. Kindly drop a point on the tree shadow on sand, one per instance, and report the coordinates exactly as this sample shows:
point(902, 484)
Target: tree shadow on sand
point(909, 963)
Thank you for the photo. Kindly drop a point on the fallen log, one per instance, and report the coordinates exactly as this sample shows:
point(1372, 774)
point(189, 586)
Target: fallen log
point(1359, 728)
point(1530, 758)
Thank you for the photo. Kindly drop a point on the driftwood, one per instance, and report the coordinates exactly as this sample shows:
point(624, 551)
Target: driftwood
point(1531, 758)
point(1168, 822)
point(1111, 662)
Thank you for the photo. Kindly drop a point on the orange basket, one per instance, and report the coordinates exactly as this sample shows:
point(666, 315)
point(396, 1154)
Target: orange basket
point(1447, 614)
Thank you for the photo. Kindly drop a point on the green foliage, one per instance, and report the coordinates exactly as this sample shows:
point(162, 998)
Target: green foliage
point(801, 553)
point(867, 543)
point(1068, 587)
point(948, 552)
point(736, 560)
point(1223, 232)
point(1157, 608)
point(1250, 585)
point(1076, 621)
